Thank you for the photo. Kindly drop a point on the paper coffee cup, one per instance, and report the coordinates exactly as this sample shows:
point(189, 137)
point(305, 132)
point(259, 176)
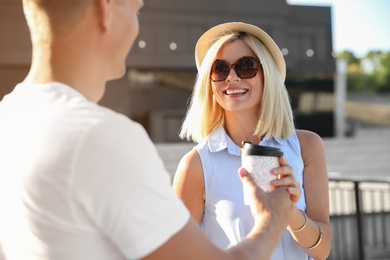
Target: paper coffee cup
point(259, 160)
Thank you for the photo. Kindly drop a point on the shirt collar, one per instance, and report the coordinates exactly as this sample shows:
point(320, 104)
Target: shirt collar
point(219, 140)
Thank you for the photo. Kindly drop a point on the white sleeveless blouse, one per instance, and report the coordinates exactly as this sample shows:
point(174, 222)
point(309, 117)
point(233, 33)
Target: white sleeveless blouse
point(227, 220)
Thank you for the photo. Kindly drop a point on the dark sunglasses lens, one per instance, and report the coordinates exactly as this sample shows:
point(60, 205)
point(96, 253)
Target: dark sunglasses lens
point(246, 67)
point(220, 70)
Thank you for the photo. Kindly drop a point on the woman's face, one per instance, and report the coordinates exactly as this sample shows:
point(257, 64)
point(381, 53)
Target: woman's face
point(235, 94)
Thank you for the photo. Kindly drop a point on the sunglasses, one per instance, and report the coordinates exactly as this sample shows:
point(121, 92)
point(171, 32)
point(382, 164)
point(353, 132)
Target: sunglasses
point(245, 67)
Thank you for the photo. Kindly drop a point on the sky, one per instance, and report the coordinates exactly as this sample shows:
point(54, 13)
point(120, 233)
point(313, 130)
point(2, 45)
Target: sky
point(357, 25)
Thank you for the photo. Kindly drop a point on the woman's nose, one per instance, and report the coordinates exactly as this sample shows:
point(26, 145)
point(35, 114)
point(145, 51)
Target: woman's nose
point(233, 75)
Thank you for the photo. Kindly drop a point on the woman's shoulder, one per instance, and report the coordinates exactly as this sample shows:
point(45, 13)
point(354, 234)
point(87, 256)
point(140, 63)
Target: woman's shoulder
point(190, 162)
point(309, 141)
point(308, 136)
point(189, 172)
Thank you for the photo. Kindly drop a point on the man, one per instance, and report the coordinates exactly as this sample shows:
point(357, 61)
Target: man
point(79, 181)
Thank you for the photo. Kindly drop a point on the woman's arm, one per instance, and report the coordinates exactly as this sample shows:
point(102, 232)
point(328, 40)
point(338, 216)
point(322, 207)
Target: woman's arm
point(188, 184)
point(306, 232)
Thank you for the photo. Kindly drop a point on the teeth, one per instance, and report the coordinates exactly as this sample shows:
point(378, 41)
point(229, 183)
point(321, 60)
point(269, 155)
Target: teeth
point(235, 91)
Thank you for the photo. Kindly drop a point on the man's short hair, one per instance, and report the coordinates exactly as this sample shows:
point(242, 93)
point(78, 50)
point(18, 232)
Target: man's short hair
point(54, 16)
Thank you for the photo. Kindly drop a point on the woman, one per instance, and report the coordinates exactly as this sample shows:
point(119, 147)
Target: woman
point(240, 96)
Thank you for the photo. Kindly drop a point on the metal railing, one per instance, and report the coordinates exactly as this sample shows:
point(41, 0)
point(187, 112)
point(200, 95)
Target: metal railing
point(360, 218)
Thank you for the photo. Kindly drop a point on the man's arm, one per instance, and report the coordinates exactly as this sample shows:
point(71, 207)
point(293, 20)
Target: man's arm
point(271, 212)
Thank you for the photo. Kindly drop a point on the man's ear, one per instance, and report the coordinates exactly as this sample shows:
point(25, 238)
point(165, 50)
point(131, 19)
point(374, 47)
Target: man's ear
point(104, 12)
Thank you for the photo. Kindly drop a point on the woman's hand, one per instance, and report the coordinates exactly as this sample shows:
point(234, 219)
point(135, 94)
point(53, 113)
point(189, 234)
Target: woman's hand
point(286, 177)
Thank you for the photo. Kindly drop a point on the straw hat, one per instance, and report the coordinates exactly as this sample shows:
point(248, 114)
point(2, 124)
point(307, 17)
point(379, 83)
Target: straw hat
point(212, 35)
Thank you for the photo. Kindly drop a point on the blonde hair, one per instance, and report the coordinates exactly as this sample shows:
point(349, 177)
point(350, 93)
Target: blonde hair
point(205, 115)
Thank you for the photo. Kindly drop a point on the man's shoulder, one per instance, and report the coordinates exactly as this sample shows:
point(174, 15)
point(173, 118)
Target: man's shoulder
point(106, 117)
point(91, 117)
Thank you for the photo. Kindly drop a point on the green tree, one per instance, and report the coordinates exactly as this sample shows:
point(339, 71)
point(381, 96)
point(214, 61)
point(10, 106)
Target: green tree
point(349, 57)
point(377, 69)
point(368, 74)
point(383, 74)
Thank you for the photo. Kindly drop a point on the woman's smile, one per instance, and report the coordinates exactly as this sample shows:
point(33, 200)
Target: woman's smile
point(235, 91)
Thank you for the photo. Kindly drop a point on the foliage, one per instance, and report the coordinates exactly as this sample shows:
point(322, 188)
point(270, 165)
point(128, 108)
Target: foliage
point(370, 73)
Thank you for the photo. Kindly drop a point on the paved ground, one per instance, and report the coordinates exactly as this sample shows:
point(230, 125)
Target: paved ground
point(365, 155)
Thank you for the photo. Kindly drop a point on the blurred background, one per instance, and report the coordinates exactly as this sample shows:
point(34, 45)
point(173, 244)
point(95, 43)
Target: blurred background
point(338, 76)
point(312, 35)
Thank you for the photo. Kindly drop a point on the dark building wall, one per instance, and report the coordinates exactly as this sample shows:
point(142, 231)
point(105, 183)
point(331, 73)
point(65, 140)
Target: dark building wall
point(309, 28)
point(295, 28)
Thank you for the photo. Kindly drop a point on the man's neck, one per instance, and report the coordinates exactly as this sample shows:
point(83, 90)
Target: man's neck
point(67, 65)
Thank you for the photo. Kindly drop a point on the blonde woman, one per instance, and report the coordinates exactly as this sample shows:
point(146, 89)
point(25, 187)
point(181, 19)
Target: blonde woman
point(240, 96)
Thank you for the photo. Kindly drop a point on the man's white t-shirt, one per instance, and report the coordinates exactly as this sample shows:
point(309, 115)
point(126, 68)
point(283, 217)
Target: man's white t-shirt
point(79, 181)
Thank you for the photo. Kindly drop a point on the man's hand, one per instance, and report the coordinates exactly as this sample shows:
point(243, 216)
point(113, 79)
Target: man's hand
point(270, 210)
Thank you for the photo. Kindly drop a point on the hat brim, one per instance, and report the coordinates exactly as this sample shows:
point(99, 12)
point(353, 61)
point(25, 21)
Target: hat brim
point(212, 35)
